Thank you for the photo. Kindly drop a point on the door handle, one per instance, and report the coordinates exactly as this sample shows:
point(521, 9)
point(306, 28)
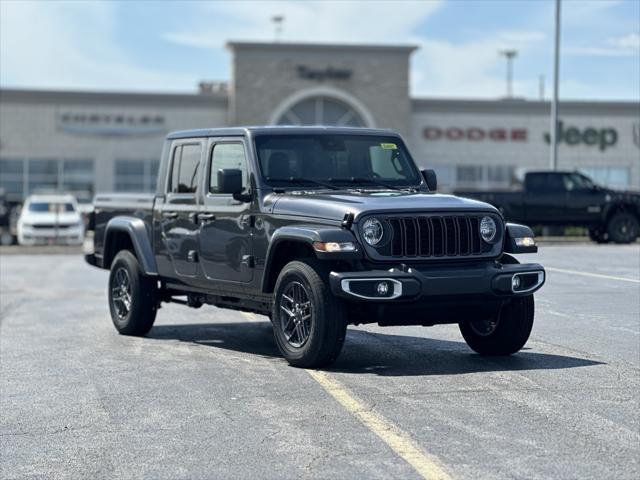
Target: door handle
point(206, 217)
point(170, 214)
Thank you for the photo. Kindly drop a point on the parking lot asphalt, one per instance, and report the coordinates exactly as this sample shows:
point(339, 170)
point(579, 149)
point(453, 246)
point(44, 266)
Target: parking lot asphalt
point(206, 395)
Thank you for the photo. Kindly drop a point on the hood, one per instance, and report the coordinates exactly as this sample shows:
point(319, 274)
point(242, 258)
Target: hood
point(49, 218)
point(333, 205)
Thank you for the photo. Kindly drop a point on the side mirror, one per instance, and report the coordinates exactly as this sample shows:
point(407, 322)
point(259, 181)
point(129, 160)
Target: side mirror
point(431, 179)
point(230, 180)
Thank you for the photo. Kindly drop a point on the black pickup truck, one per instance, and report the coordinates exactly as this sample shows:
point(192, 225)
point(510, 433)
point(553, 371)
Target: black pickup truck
point(317, 228)
point(568, 199)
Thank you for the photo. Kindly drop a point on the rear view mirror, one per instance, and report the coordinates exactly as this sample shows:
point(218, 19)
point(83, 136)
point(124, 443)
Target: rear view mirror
point(431, 179)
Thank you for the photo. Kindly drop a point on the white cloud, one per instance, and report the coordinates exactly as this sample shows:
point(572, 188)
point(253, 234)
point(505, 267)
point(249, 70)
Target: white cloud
point(310, 21)
point(621, 46)
point(628, 42)
point(70, 45)
point(443, 68)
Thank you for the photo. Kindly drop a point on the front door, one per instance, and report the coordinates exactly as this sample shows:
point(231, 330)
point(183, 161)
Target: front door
point(226, 225)
point(176, 214)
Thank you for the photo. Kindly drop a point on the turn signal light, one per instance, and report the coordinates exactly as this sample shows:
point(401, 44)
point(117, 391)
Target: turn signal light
point(525, 242)
point(334, 246)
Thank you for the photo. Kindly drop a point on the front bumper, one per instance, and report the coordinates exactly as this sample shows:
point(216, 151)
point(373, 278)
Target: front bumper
point(49, 236)
point(411, 284)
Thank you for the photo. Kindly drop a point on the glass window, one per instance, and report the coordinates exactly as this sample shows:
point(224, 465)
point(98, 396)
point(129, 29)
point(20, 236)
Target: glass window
point(321, 111)
point(43, 175)
point(184, 172)
point(129, 176)
point(227, 155)
point(78, 177)
point(136, 175)
point(612, 177)
point(354, 160)
point(469, 174)
point(51, 207)
point(501, 174)
point(12, 176)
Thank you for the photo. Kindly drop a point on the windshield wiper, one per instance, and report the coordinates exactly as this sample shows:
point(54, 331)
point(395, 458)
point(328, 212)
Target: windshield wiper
point(303, 180)
point(367, 180)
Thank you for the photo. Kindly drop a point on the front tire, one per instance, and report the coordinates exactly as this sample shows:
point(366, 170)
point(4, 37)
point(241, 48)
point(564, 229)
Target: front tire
point(308, 321)
point(623, 228)
point(132, 296)
point(506, 334)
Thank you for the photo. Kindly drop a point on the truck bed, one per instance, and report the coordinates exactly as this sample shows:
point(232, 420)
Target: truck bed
point(109, 205)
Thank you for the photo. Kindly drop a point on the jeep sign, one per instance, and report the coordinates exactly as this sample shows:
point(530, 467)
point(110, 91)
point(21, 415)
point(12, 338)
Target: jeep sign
point(604, 137)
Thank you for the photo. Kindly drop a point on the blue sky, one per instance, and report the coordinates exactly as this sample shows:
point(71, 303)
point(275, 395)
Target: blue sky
point(169, 46)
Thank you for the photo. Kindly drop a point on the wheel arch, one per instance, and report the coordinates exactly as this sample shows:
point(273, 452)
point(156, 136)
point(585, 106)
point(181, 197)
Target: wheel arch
point(129, 233)
point(621, 207)
point(293, 243)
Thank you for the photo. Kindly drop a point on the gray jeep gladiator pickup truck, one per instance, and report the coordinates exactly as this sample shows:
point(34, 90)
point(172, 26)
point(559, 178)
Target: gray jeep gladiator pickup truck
point(317, 228)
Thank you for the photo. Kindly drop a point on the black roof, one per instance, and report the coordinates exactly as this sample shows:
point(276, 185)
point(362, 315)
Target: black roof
point(276, 130)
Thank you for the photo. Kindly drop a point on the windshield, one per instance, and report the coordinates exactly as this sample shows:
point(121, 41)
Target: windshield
point(51, 207)
point(321, 160)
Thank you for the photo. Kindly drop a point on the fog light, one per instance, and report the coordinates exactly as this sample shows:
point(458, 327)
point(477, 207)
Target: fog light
point(382, 288)
point(515, 282)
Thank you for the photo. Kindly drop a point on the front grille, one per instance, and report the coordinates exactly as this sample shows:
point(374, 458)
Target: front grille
point(433, 236)
point(51, 226)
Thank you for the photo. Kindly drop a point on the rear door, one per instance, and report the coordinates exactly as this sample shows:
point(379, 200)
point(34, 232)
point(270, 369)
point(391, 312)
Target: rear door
point(226, 225)
point(545, 198)
point(179, 231)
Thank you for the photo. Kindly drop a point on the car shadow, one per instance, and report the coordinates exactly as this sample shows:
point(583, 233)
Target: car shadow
point(371, 352)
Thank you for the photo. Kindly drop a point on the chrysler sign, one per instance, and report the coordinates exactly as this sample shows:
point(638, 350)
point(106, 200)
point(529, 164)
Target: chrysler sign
point(111, 124)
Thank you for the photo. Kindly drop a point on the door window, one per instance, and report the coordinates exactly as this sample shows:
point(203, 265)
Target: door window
point(184, 171)
point(227, 155)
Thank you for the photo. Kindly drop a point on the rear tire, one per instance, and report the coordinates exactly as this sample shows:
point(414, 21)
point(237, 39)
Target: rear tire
point(623, 227)
point(308, 321)
point(132, 296)
point(505, 335)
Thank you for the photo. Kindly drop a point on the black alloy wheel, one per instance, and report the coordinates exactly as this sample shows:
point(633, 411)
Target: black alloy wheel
point(623, 228)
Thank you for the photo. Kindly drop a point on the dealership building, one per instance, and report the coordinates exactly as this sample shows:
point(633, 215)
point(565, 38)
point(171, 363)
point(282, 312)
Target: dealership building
point(88, 142)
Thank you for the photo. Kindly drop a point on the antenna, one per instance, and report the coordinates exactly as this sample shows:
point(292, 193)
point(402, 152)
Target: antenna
point(277, 21)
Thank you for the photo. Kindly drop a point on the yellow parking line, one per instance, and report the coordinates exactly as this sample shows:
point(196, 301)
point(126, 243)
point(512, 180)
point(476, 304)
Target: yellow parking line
point(589, 274)
point(399, 441)
point(427, 466)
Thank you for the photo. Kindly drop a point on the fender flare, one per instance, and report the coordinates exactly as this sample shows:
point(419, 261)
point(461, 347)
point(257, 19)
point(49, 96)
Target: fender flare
point(136, 229)
point(308, 234)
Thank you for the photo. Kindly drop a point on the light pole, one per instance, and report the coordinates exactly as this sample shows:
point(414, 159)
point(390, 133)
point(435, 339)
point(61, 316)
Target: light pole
point(277, 20)
point(553, 131)
point(509, 55)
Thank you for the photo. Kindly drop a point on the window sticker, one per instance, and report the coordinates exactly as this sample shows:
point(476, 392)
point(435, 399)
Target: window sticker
point(388, 146)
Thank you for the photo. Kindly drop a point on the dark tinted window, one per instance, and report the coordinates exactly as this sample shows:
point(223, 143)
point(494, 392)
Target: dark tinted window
point(545, 182)
point(340, 159)
point(184, 172)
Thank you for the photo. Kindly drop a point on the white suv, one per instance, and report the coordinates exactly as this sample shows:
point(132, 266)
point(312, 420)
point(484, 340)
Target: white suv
point(50, 219)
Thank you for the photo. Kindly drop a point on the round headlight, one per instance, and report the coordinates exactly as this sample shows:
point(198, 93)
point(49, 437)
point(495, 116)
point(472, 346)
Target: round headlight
point(372, 231)
point(488, 229)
